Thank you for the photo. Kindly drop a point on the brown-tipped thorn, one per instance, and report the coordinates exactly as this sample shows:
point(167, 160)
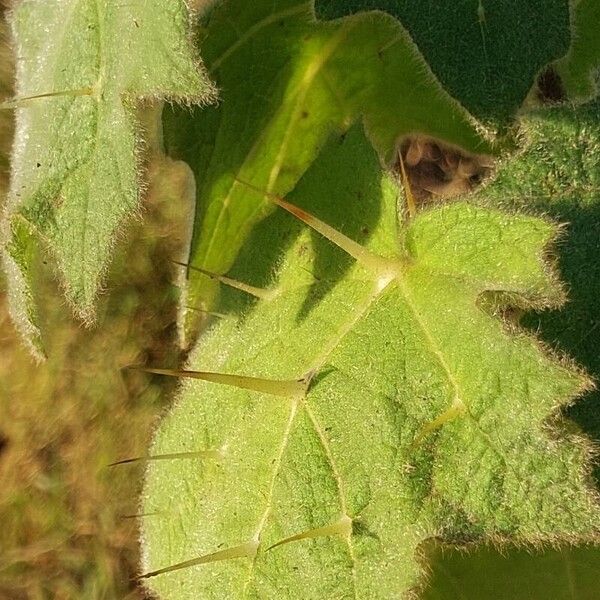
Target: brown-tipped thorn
point(381, 265)
point(247, 550)
point(259, 293)
point(207, 312)
point(215, 454)
point(411, 205)
point(343, 528)
point(292, 388)
point(23, 101)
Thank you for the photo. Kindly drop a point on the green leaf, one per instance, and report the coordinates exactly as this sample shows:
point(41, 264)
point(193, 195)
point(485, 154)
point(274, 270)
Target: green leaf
point(425, 415)
point(76, 159)
point(486, 54)
point(579, 68)
point(287, 84)
point(557, 174)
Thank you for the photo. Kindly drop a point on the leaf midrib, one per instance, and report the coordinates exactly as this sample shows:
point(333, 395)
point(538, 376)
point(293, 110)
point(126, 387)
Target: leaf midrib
point(354, 318)
point(303, 405)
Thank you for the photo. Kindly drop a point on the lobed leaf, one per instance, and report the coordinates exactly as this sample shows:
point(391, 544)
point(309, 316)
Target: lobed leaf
point(75, 164)
point(556, 174)
point(424, 416)
point(486, 54)
point(288, 83)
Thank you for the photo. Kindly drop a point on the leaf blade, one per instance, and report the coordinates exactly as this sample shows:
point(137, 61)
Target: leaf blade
point(77, 155)
point(486, 54)
point(578, 69)
point(311, 83)
point(389, 362)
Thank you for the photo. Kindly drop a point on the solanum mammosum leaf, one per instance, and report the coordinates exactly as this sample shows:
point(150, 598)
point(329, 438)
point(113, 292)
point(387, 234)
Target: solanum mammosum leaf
point(288, 83)
point(486, 54)
point(558, 175)
point(76, 156)
point(388, 407)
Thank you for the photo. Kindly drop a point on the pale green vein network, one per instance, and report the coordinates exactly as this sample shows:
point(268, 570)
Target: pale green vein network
point(321, 359)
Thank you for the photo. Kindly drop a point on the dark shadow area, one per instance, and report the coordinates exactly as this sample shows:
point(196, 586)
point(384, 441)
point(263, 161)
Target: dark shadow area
point(351, 204)
point(343, 189)
point(550, 87)
point(571, 573)
point(575, 328)
point(486, 54)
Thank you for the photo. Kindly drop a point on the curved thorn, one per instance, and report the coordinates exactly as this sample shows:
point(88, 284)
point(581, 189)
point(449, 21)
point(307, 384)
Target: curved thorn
point(343, 528)
point(360, 253)
point(140, 515)
point(207, 312)
point(411, 205)
point(199, 454)
point(24, 100)
point(292, 388)
point(247, 550)
point(260, 293)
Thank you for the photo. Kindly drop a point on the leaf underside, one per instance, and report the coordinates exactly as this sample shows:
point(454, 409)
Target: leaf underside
point(427, 414)
point(76, 155)
point(287, 84)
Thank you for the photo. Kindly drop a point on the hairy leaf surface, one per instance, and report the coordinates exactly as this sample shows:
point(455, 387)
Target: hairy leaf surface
point(557, 175)
point(287, 84)
point(75, 159)
point(486, 54)
point(426, 415)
